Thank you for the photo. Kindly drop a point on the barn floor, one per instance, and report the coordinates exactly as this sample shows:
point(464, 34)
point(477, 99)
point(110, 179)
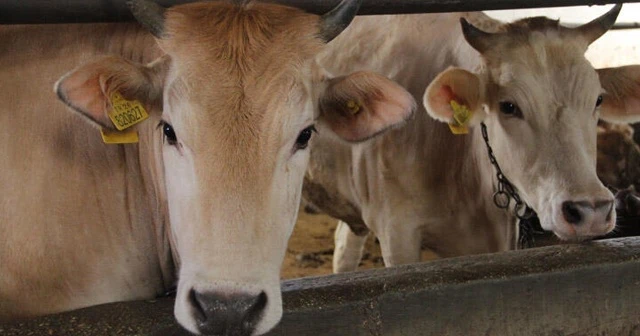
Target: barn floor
point(310, 248)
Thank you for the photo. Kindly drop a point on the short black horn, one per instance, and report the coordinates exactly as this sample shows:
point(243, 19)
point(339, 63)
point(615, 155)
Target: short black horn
point(593, 30)
point(149, 14)
point(478, 39)
point(339, 18)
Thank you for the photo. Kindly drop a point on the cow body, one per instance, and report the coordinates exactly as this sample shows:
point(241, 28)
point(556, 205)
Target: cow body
point(421, 184)
point(418, 184)
point(82, 223)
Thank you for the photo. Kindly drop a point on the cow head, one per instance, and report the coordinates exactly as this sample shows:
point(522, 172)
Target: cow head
point(237, 98)
point(540, 100)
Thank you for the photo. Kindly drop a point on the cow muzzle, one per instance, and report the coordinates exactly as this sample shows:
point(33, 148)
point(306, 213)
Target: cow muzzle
point(226, 308)
point(582, 219)
point(223, 314)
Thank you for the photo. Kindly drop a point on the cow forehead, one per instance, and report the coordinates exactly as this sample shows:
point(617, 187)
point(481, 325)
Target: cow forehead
point(536, 45)
point(241, 38)
point(236, 69)
point(546, 69)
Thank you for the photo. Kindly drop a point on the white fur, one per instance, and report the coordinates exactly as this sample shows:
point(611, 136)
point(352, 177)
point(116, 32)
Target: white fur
point(348, 249)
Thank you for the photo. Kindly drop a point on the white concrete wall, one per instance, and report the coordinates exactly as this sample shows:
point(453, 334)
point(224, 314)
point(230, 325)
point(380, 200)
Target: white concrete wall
point(580, 14)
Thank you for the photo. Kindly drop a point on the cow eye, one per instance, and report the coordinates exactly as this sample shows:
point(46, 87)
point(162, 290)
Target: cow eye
point(169, 133)
point(510, 109)
point(303, 138)
point(599, 101)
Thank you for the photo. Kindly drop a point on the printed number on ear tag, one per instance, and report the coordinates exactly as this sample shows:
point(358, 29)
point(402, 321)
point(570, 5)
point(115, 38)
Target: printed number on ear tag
point(461, 116)
point(126, 113)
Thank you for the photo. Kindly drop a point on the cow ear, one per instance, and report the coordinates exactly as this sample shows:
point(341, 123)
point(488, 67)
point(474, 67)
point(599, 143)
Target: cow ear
point(362, 105)
point(459, 86)
point(621, 101)
point(87, 89)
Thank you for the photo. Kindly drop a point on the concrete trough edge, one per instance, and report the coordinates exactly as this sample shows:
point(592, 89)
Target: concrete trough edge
point(576, 289)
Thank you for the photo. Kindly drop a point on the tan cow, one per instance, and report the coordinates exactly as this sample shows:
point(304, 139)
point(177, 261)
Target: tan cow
point(210, 193)
point(540, 100)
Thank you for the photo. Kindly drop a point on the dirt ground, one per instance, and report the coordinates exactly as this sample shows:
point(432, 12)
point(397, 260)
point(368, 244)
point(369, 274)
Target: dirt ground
point(310, 248)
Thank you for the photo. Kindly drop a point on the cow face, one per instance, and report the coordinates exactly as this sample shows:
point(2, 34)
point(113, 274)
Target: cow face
point(237, 99)
point(541, 100)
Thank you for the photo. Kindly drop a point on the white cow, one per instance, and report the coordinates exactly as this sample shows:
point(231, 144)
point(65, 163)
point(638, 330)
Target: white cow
point(209, 195)
point(539, 98)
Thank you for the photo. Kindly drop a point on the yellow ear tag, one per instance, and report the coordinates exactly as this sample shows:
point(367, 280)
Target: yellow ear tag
point(117, 137)
point(461, 116)
point(353, 107)
point(126, 113)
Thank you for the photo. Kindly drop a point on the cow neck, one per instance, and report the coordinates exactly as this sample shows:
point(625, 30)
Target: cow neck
point(528, 222)
point(135, 44)
point(505, 192)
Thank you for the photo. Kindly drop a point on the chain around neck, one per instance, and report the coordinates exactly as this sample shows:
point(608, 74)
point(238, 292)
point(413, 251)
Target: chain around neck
point(502, 198)
point(506, 191)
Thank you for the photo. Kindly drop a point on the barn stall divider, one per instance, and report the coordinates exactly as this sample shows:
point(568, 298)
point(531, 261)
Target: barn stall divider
point(576, 289)
point(77, 11)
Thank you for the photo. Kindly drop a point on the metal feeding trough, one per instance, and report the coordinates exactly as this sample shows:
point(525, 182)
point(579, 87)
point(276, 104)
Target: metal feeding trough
point(579, 289)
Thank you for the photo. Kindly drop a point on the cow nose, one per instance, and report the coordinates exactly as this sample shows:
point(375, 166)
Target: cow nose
point(577, 213)
point(224, 314)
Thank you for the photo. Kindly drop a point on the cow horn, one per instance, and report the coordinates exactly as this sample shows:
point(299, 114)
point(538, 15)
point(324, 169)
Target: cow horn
point(149, 14)
point(593, 30)
point(339, 18)
point(478, 39)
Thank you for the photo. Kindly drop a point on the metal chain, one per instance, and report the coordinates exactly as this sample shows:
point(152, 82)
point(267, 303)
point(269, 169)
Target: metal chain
point(529, 224)
point(506, 191)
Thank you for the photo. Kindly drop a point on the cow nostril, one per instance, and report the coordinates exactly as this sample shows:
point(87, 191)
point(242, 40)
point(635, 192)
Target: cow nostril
point(227, 314)
point(255, 312)
point(198, 310)
point(571, 212)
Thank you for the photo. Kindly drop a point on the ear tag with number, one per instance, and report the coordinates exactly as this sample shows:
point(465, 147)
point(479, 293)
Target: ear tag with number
point(461, 116)
point(126, 113)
